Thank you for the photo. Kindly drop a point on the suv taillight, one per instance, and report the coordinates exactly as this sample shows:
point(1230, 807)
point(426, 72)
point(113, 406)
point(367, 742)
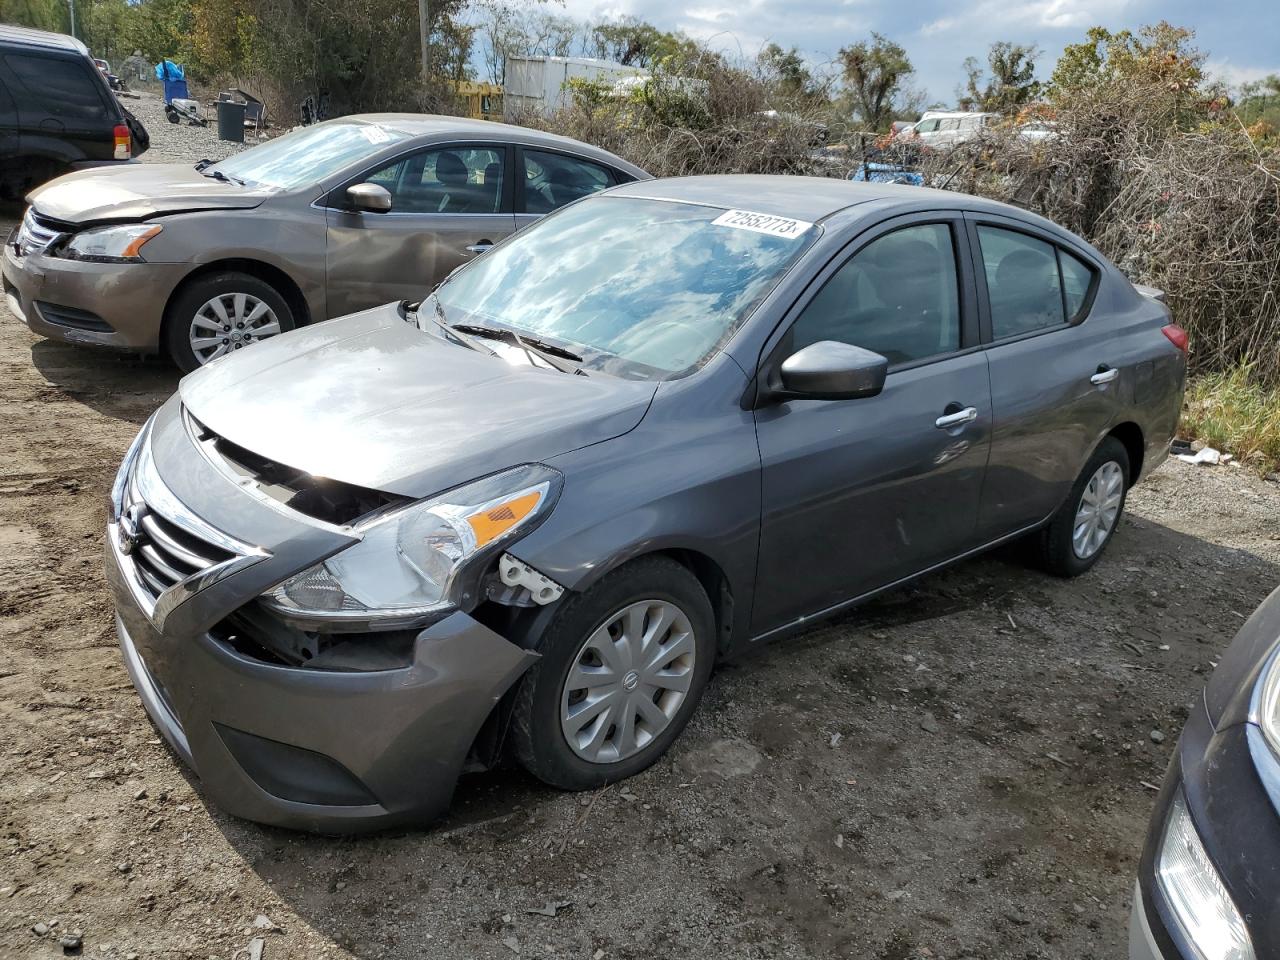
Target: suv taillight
point(124, 145)
point(1177, 336)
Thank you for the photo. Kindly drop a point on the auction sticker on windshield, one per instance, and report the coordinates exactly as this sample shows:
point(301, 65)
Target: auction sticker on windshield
point(762, 223)
point(374, 134)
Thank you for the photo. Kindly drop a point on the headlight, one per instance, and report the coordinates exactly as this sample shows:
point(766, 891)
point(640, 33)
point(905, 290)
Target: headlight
point(126, 465)
point(110, 243)
point(407, 561)
point(1265, 708)
point(1200, 903)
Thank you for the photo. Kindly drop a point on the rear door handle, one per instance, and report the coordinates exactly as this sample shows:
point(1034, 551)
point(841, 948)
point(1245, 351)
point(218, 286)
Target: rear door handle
point(1105, 374)
point(967, 415)
point(480, 247)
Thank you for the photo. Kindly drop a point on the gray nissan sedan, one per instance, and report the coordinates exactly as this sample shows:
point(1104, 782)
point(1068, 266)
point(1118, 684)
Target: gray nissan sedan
point(524, 516)
point(195, 262)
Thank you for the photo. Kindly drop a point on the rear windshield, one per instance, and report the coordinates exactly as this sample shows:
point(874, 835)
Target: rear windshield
point(639, 287)
point(308, 155)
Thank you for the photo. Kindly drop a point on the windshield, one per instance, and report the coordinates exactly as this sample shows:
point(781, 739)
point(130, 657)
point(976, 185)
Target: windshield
point(638, 287)
point(306, 156)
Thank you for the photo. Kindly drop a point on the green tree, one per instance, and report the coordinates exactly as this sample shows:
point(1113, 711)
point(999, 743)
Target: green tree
point(636, 43)
point(40, 14)
point(875, 77)
point(1160, 54)
point(1011, 83)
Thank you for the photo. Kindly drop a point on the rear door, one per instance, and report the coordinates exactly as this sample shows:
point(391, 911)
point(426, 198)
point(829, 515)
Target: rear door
point(1055, 378)
point(64, 101)
point(448, 204)
point(548, 180)
point(10, 136)
point(858, 494)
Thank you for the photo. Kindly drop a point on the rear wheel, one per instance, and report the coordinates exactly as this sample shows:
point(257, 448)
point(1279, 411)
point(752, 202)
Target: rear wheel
point(221, 313)
point(623, 668)
point(1084, 524)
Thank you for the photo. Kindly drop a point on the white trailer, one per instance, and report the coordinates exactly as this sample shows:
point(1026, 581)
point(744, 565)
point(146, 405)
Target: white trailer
point(541, 83)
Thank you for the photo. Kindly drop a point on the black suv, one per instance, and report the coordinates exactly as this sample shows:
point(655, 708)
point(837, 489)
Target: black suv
point(56, 111)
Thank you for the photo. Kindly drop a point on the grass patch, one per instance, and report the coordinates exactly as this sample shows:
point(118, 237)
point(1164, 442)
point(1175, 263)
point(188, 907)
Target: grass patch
point(1234, 413)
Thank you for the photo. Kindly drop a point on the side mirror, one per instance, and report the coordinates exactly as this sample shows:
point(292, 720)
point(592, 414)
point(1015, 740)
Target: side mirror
point(369, 198)
point(830, 370)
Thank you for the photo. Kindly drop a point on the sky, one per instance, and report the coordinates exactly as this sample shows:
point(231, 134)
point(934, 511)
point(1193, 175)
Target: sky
point(1242, 37)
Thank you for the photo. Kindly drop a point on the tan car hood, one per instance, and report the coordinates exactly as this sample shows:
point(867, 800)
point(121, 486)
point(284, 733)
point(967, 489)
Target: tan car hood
point(136, 191)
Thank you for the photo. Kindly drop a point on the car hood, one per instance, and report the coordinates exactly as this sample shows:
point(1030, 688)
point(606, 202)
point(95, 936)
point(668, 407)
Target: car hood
point(371, 400)
point(136, 191)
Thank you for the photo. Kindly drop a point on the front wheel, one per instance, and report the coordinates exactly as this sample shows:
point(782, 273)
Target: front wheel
point(221, 313)
point(1084, 524)
point(623, 668)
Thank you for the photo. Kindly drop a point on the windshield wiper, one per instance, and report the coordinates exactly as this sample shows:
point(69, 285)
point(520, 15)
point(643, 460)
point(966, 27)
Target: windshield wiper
point(219, 175)
point(550, 353)
point(438, 318)
point(201, 164)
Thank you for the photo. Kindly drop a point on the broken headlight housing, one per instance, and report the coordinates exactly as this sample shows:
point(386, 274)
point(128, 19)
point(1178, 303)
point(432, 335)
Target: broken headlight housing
point(407, 561)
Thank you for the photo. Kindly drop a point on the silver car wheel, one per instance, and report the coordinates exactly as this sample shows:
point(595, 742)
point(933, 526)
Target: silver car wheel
point(1099, 506)
point(228, 322)
point(627, 681)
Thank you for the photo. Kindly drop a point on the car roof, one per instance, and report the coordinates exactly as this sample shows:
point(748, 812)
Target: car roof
point(809, 198)
point(426, 124)
point(40, 38)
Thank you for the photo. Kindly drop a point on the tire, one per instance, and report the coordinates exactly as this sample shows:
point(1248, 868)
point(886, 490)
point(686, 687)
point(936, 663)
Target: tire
point(197, 297)
point(545, 703)
point(1060, 549)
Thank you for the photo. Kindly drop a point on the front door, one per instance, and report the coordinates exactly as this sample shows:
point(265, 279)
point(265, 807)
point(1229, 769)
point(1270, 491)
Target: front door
point(858, 494)
point(448, 204)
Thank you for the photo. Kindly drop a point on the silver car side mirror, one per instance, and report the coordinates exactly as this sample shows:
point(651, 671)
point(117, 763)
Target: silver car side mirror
point(369, 198)
point(831, 370)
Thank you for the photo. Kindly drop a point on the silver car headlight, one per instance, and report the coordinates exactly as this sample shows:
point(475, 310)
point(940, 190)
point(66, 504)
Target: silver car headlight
point(407, 561)
point(1195, 893)
point(121, 243)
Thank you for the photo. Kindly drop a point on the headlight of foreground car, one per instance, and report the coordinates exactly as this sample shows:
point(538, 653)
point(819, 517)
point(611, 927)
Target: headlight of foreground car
point(118, 244)
point(408, 560)
point(1191, 886)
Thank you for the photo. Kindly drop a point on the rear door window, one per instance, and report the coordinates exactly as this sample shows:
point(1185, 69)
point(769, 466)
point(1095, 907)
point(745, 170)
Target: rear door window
point(1023, 283)
point(1077, 281)
point(553, 180)
point(67, 88)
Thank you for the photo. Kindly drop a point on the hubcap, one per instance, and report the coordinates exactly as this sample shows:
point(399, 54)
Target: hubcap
point(228, 322)
point(627, 681)
point(1098, 509)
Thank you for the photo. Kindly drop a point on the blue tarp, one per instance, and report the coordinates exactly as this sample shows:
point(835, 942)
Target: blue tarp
point(174, 79)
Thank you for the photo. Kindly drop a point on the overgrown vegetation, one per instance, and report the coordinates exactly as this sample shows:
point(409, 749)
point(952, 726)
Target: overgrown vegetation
point(1233, 411)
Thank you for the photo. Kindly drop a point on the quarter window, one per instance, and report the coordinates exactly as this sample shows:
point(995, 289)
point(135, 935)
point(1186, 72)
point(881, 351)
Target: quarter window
point(1077, 278)
point(449, 180)
point(897, 296)
point(552, 180)
point(1023, 283)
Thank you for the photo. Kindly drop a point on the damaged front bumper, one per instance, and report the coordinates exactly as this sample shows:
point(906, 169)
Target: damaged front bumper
point(333, 750)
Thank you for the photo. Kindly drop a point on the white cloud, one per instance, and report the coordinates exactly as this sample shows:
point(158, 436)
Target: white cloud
point(1236, 74)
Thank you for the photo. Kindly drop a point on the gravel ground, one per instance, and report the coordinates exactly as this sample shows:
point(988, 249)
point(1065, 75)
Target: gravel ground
point(179, 143)
point(957, 770)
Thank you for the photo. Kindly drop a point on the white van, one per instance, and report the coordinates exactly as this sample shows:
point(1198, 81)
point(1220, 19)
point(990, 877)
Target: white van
point(940, 128)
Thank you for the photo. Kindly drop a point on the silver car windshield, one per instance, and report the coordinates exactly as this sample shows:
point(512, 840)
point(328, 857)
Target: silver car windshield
point(637, 287)
point(306, 156)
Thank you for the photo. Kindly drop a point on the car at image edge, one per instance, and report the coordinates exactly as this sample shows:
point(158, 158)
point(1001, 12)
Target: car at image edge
point(200, 261)
point(1208, 883)
point(524, 516)
point(57, 111)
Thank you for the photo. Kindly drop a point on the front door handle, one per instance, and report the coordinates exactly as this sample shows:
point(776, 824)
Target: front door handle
point(959, 418)
point(1105, 374)
point(480, 247)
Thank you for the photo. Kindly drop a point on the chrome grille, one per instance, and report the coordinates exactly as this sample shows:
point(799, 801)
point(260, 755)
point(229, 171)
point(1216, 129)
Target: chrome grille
point(162, 551)
point(36, 234)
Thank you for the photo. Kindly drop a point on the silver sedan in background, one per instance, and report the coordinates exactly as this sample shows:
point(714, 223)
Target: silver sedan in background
point(200, 262)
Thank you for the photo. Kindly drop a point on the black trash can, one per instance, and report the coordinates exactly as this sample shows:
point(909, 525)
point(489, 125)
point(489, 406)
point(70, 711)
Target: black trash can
point(231, 121)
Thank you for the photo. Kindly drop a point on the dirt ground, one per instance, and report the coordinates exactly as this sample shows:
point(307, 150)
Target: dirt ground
point(960, 769)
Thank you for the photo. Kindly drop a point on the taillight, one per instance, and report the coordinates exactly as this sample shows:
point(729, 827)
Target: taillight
point(1177, 336)
point(124, 145)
